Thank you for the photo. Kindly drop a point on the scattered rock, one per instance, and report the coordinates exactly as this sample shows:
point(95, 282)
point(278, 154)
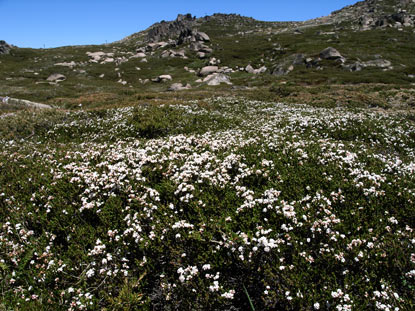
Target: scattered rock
point(156, 45)
point(201, 36)
point(27, 103)
point(162, 78)
point(216, 79)
point(179, 87)
point(251, 69)
point(107, 61)
point(200, 47)
point(139, 55)
point(71, 65)
point(56, 78)
point(213, 61)
point(172, 53)
point(299, 59)
point(282, 70)
point(381, 63)
point(205, 71)
point(201, 55)
point(330, 53)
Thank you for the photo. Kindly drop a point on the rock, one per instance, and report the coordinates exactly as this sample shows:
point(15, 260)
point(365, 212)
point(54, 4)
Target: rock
point(249, 69)
point(66, 64)
point(299, 59)
point(165, 54)
point(262, 69)
point(205, 71)
point(213, 61)
point(107, 61)
point(139, 55)
point(282, 70)
point(201, 36)
point(5, 47)
point(200, 47)
point(179, 87)
point(330, 53)
point(56, 77)
point(162, 78)
point(180, 53)
point(382, 63)
point(216, 79)
point(358, 66)
point(156, 45)
point(201, 55)
point(27, 103)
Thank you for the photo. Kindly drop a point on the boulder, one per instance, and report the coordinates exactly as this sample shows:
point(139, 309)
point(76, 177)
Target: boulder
point(162, 78)
point(179, 87)
point(201, 36)
point(381, 63)
point(200, 47)
point(66, 64)
point(299, 59)
point(56, 77)
point(330, 53)
point(282, 69)
point(249, 69)
point(139, 55)
point(216, 79)
point(205, 71)
point(108, 60)
point(201, 55)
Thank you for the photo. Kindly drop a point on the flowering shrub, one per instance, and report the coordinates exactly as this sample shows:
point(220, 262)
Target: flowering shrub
point(236, 205)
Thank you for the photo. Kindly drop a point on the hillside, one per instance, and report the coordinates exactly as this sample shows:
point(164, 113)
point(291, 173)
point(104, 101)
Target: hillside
point(373, 42)
point(214, 163)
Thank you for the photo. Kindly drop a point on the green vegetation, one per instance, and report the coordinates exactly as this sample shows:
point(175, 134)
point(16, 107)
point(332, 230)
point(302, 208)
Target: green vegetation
point(215, 204)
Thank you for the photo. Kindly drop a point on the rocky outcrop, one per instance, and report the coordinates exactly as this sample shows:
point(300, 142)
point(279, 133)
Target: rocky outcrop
point(370, 14)
point(5, 47)
point(188, 36)
point(172, 29)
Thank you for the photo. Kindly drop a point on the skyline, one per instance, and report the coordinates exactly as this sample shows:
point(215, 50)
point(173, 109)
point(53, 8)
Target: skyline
point(54, 23)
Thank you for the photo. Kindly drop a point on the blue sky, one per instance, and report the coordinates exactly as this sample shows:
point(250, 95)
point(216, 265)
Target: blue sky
point(52, 23)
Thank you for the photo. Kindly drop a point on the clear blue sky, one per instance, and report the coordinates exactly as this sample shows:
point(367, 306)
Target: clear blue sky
point(34, 23)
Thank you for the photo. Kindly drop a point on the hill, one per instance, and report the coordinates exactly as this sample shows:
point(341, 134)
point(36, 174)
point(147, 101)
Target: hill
point(373, 41)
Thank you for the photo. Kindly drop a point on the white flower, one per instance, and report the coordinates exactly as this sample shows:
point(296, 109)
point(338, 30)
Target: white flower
point(229, 294)
point(90, 273)
point(316, 306)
